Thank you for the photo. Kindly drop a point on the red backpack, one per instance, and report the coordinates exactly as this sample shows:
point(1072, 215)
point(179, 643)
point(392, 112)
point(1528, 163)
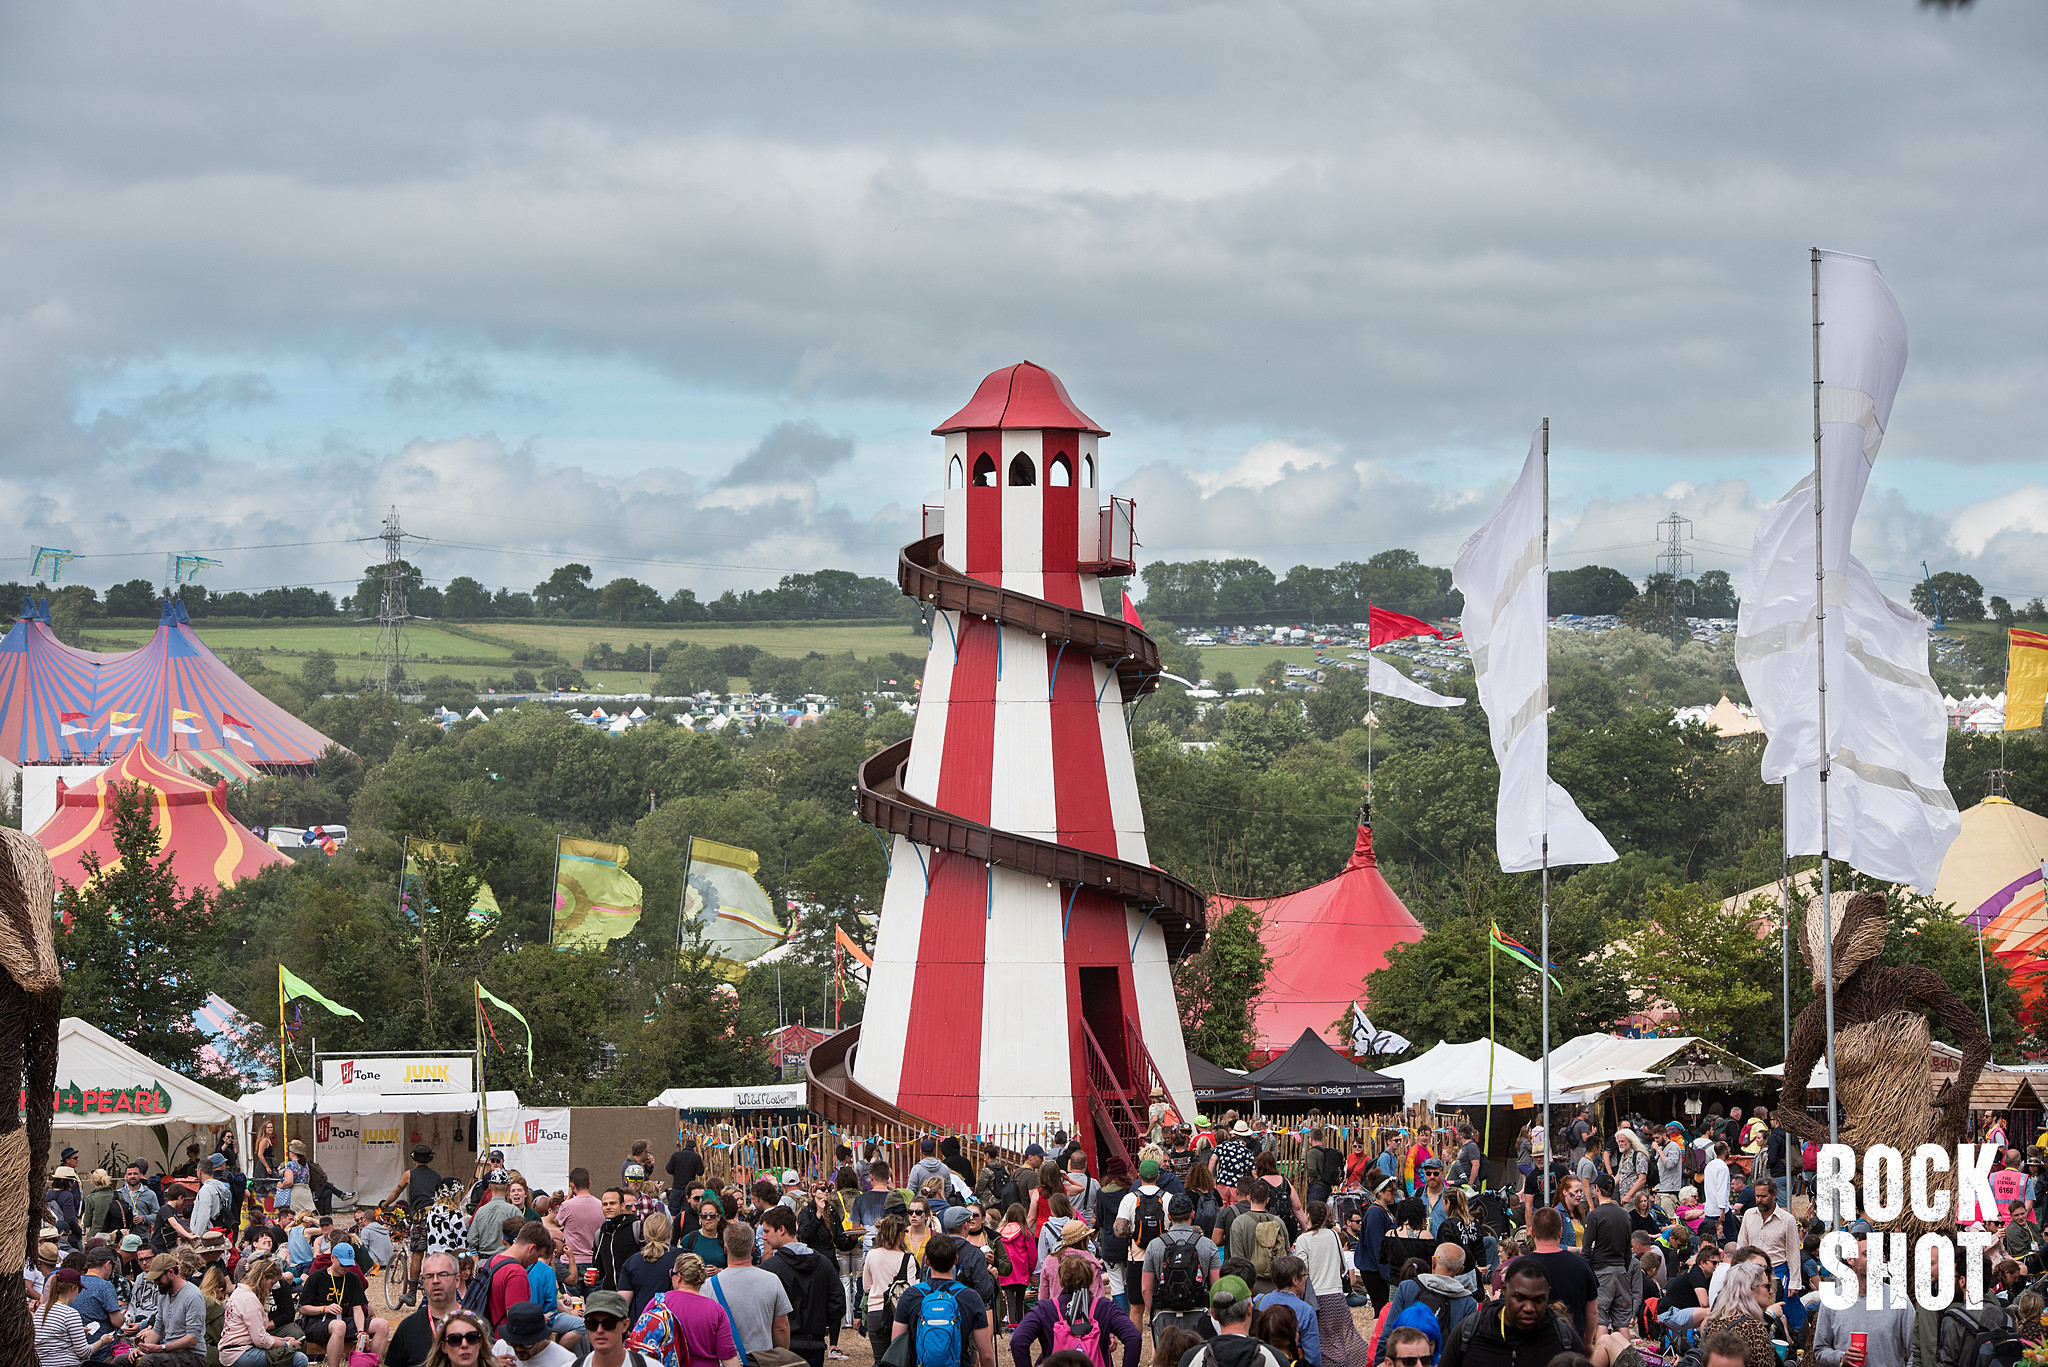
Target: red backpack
point(1076, 1330)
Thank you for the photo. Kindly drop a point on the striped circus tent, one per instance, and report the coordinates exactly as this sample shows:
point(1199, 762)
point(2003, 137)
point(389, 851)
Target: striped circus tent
point(61, 705)
point(208, 847)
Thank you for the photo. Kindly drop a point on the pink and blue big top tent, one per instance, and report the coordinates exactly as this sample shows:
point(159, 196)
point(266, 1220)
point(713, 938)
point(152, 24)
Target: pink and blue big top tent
point(62, 705)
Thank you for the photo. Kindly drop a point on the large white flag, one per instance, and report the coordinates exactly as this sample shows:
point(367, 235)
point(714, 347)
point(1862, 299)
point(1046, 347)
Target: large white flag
point(1384, 678)
point(1500, 570)
point(1890, 814)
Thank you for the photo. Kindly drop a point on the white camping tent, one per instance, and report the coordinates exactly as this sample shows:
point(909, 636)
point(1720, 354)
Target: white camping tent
point(778, 1097)
point(1455, 1075)
point(114, 1104)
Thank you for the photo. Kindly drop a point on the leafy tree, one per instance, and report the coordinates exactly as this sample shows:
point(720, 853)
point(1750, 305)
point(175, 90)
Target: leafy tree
point(693, 669)
point(1959, 597)
point(1216, 988)
point(1714, 595)
point(629, 600)
point(1707, 963)
point(136, 598)
point(134, 945)
point(465, 599)
point(1590, 591)
point(2001, 611)
point(369, 595)
point(316, 673)
point(1259, 734)
point(566, 591)
point(2036, 611)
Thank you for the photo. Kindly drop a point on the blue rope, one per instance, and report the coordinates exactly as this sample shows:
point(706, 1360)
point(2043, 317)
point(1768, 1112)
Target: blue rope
point(1067, 923)
point(991, 892)
point(1141, 930)
point(951, 635)
point(888, 859)
point(1055, 682)
point(1104, 690)
point(923, 865)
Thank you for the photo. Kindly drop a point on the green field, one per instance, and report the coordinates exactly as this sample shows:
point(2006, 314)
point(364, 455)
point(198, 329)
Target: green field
point(343, 640)
point(571, 639)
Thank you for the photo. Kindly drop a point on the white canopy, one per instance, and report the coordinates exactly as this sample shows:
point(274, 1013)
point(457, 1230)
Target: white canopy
point(304, 1098)
point(1592, 1063)
point(1455, 1075)
point(792, 1096)
point(99, 1083)
point(97, 1067)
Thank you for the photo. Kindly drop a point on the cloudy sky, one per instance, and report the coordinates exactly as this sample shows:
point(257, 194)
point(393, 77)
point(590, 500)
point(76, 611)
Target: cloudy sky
point(679, 290)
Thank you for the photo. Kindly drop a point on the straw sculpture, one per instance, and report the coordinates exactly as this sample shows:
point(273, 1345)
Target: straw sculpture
point(1883, 1078)
point(29, 1003)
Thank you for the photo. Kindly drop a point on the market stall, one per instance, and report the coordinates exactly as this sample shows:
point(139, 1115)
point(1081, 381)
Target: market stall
point(114, 1104)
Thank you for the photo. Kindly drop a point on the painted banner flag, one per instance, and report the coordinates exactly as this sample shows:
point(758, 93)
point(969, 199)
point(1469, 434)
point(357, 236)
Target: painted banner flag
point(291, 987)
point(730, 910)
point(596, 900)
point(484, 994)
point(483, 907)
point(2026, 678)
point(1392, 626)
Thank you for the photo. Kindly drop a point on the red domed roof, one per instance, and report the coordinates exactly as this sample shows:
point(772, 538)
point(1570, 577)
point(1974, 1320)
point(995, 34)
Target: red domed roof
point(1020, 395)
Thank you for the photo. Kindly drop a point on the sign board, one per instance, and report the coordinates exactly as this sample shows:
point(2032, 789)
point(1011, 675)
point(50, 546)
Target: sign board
point(535, 1140)
point(1524, 1101)
point(1698, 1075)
point(145, 1099)
point(399, 1075)
point(364, 1153)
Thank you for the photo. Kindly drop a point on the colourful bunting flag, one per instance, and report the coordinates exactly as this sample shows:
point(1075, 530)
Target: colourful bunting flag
point(1517, 951)
point(596, 900)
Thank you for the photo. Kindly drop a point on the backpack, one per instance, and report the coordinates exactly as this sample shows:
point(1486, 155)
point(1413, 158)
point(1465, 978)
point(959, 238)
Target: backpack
point(940, 1330)
point(476, 1297)
point(1266, 1238)
point(1983, 1346)
point(1694, 1163)
point(1075, 1329)
point(1208, 1212)
point(1333, 1168)
point(1179, 1287)
point(1468, 1329)
point(1151, 1221)
point(898, 1284)
point(655, 1334)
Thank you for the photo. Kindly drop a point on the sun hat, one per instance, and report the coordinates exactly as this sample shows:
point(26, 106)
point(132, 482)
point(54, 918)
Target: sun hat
point(1073, 1234)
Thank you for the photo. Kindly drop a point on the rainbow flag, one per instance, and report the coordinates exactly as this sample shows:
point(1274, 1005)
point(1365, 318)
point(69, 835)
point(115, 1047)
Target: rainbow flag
point(1519, 952)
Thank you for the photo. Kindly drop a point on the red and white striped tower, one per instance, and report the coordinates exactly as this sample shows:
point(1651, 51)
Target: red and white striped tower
point(1011, 975)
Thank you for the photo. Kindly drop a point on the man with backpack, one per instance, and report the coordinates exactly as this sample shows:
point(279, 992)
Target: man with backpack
point(1437, 1302)
point(1258, 1236)
point(1315, 1166)
point(817, 1298)
point(1069, 1322)
point(1180, 1267)
point(948, 1324)
point(1141, 1218)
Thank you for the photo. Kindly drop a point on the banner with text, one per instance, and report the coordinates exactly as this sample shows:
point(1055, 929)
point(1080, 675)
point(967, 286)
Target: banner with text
point(535, 1140)
point(399, 1075)
point(362, 1153)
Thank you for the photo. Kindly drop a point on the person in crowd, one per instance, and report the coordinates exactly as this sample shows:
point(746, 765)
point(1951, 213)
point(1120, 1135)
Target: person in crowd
point(973, 1327)
point(580, 1218)
point(810, 1283)
point(1232, 1344)
point(1369, 1254)
point(1278, 1329)
point(463, 1340)
point(1072, 1246)
point(525, 1339)
point(1290, 1292)
point(617, 1239)
point(1610, 1251)
point(685, 1174)
point(334, 1306)
point(646, 1273)
point(1440, 1292)
point(61, 1337)
point(1321, 1248)
point(177, 1336)
point(1259, 1236)
point(928, 1165)
point(1886, 1328)
point(703, 1329)
point(1568, 1277)
point(707, 1239)
point(887, 1270)
point(753, 1296)
point(1178, 1269)
point(246, 1339)
point(1740, 1308)
point(1100, 1318)
point(1771, 1229)
point(413, 1340)
point(487, 1225)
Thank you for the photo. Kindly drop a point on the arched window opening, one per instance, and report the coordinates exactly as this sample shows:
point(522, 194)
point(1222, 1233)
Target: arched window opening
point(953, 474)
point(984, 471)
point(1060, 474)
point(1022, 472)
point(1088, 471)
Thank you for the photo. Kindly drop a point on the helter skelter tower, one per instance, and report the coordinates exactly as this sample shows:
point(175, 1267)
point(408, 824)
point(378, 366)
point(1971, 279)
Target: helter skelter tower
point(1021, 965)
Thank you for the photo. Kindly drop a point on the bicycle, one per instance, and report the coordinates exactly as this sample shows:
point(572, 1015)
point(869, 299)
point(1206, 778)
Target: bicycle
point(400, 1285)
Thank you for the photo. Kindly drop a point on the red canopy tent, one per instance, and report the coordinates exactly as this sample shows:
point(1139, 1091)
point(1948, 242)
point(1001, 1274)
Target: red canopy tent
point(208, 848)
point(1323, 941)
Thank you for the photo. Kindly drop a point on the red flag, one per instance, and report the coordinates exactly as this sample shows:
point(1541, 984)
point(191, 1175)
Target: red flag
point(1392, 626)
point(1131, 612)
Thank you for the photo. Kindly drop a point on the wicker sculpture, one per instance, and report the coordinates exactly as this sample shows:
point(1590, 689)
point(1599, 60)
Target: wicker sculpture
point(29, 1004)
point(1884, 1081)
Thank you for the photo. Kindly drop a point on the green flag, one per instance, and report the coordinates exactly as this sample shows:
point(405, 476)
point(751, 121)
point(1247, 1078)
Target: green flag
point(291, 987)
point(484, 994)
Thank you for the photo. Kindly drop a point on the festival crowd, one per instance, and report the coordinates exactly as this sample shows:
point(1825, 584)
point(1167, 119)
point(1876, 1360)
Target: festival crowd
point(1634, 1247)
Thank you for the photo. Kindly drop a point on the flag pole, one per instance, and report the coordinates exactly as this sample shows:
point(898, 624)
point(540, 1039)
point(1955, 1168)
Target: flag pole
point(1785, 905)
point(1820, 627)
point(1543, 952)
point(554, 893)
point(1492, 960)
point(284, 1083)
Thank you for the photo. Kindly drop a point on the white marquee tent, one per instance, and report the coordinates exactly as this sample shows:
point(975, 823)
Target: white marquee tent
point(1456, 1074)
point(101, 1083)
point(777, 1097)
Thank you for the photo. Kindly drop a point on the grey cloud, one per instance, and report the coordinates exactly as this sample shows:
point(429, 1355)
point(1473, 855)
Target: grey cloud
point(791, 452)
point(445, 384)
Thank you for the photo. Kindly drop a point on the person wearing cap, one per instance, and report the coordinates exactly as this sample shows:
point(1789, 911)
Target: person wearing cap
point(1153, 1290)
point(64, 1204)
point(1141, 1218)
point(792, 1195)
point(99, 1300)
point(928, 1165)
point(606, 1325)
point(178, 1337)
point(441, 1285)
point(486, 1227)
point(334, 1307)
point(61, 1334)
point(1432, 1193)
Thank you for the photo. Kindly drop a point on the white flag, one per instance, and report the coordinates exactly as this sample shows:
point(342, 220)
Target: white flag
point(1500, 570)
point(1384, 678)
point(1889, 812)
